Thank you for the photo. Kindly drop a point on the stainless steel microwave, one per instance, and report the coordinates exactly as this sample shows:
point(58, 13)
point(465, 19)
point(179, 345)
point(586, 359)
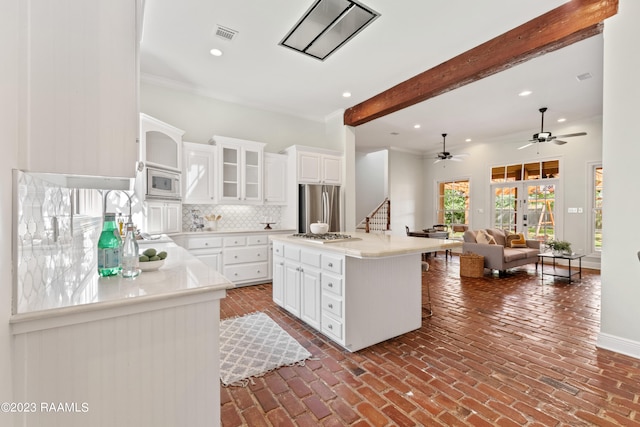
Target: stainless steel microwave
point(163, 184)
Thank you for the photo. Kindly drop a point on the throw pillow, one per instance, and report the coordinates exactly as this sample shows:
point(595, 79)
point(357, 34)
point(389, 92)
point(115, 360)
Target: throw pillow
point(483, 237)
point(519, 241)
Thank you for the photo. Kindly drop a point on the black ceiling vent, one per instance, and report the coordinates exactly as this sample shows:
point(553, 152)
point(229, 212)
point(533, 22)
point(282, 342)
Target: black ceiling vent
point(327, 25)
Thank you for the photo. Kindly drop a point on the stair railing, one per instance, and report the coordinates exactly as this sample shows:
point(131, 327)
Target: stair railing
point(380, 218)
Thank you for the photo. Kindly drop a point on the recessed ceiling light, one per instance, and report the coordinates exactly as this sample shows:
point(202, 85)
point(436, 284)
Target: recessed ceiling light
point(215, 52)
point(395, 133)
point(346, 94)
point(562, 119)
point(416, 126)
point(467, 140)
point(525, 93)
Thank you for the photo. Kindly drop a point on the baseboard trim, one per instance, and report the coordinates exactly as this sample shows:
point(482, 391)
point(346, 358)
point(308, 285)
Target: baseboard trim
point(619, 345)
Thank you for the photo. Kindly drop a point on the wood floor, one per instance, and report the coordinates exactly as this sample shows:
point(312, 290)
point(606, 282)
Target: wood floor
point(510, 351)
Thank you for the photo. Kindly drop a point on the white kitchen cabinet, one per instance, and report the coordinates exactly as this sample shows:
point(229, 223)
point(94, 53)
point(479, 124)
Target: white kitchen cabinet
point(198, 173)
point(299, 283)
point(207, 249)
point(275, 179)
point(163, 217)
point(314, 168)
point(79, 62)
point(240, 164)
point(246, 258)
point(160, 143)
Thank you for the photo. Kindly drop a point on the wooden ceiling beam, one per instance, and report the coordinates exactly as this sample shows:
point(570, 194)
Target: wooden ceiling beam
point(572, 22)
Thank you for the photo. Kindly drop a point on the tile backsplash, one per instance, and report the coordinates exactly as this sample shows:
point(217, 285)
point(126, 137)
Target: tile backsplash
point(234, 217)
point(54, 250)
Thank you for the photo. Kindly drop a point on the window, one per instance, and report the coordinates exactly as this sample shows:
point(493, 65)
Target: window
point(596, 209)
point(453, 205)
point(525, 172)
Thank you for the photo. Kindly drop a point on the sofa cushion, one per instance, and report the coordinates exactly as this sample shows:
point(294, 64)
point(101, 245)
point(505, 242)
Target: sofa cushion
point(485, 238)
point(528, 252)
point(469, 236)
point(498, 235)
point(512, 254)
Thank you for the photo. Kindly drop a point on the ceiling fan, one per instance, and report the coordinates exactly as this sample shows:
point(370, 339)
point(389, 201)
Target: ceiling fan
point(543, 136)
point(445, 155)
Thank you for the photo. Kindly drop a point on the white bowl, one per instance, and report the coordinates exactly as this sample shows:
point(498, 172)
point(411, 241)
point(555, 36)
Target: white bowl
point(319, 227)
point(150, 265)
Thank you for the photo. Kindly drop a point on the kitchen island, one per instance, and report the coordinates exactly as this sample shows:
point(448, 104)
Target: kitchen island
point(359, 291)
point(115, 351)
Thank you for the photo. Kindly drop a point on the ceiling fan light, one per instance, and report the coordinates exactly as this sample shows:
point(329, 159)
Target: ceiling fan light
point(542, 136)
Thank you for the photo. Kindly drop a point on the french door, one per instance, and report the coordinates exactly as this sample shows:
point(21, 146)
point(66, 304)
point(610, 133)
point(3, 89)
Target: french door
point(526, 207)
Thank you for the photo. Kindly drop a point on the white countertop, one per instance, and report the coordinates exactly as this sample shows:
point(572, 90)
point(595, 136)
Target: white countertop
point(232, 231)
point(374, 245)
point(181, 275)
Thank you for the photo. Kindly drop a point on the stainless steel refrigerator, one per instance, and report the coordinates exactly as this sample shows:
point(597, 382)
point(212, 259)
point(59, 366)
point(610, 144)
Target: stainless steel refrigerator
point(318, 203)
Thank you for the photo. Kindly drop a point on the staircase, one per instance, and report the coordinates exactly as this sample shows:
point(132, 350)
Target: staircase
point(379, 220)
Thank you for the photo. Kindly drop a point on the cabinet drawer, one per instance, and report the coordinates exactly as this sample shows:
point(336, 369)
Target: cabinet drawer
point(310, 258)
point(244, 255)
point(278, 249)
point(257, 240)
point(332, 327)
point(235, 241)
point(332, 284)
point(243, 273)
point(292, 253)
point(204, 242)
point(333, 264)
point(332, 305)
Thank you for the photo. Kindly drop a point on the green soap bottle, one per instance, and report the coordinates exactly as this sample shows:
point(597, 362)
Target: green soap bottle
point(109, 247)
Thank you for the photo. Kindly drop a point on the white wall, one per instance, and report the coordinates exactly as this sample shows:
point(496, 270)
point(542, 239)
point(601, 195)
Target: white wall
point(371, 181)
point(202, 117)
point(9, 123)
point(620, 318)
point(574, 189)
point(406, 191)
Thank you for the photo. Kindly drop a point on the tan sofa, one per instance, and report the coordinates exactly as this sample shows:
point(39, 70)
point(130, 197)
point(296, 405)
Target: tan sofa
point(497, 256)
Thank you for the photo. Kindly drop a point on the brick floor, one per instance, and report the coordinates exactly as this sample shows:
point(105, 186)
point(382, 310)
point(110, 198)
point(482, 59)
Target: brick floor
point(510, 351)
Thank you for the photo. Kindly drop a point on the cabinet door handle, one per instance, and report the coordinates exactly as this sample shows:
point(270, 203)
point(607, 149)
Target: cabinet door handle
point(330, 305)
point(330, 264)
point(330, 326)
point(206, 244)
point(330, 285)
point(235, 256)
point(258, 254)
point(258, 271)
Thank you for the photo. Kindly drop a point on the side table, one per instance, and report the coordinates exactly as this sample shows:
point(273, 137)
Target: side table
point(561, 272)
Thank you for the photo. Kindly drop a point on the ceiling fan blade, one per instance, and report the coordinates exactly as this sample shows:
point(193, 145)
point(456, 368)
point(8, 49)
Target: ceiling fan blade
point(569, 135)
point(455, 159)
point(557, 141)
point(462, 155)
point(525, 146)
point(437, 161)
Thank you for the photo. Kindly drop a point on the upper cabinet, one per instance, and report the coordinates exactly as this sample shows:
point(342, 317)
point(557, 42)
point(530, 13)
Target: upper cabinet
point(240, 170)
point(160, 143)
point(316, 167)
point(79, 59)
point(198, 173)
point(275, 179)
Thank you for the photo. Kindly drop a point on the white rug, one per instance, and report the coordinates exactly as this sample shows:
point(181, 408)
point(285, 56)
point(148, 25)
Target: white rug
point(253, 345)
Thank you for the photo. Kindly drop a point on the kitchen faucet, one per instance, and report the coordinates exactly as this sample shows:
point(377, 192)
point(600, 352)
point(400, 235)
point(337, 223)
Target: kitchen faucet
point(104, 203)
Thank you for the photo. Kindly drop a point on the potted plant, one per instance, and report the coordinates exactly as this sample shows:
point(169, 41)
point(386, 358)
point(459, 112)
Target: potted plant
point(559, 247)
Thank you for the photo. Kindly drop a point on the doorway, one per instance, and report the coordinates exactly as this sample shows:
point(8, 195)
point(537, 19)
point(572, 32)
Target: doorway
point(526, 207)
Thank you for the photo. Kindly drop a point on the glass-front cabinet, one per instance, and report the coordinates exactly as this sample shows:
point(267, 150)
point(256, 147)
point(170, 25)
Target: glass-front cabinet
point(240, 166)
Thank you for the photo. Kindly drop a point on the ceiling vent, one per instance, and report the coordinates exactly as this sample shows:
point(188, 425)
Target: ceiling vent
point(326, 26)
point(225, 33)
point(583, 77)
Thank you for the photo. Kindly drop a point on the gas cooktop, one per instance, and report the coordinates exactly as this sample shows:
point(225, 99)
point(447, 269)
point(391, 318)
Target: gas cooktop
point(325, 237)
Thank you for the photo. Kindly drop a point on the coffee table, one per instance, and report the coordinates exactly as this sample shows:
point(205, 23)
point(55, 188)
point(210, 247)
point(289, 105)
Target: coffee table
point(561, 272)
